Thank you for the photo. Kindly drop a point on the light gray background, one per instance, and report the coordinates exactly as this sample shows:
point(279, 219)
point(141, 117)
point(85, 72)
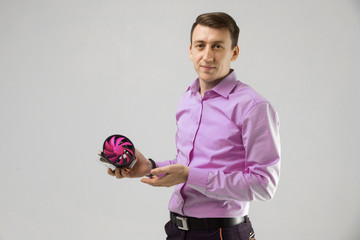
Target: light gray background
point(74, 72)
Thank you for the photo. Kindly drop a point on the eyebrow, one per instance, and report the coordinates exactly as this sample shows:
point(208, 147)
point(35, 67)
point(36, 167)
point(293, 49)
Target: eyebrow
point(215, 42)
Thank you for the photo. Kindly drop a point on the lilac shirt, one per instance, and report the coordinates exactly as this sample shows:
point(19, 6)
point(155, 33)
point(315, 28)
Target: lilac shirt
point(230, 140)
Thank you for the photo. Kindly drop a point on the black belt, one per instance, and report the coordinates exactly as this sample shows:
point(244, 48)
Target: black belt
point(187, 223)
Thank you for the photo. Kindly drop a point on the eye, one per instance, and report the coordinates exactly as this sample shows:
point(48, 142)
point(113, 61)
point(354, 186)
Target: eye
point(200, 45)
point(217, 46)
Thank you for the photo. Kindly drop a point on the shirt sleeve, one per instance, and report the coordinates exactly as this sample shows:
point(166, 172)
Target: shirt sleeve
point(259, 179)
point(166, 163)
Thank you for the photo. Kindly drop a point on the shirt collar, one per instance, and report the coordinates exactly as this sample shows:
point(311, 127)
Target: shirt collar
point(223, 88)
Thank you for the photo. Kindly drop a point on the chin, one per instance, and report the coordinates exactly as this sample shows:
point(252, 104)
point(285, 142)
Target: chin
point(207, 77)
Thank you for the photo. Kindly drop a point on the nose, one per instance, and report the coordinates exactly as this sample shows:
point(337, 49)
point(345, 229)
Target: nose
point(208, 54)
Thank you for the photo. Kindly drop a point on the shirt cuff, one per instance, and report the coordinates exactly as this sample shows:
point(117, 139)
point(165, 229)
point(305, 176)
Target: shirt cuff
point(163, 164)
point(197, 179)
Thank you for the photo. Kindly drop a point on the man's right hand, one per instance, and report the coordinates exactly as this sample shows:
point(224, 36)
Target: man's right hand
point(141, 168)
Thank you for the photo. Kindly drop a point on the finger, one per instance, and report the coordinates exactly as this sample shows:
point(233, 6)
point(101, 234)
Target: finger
point(145, 180)
point(124, 173)
point(111, 172)
point(151, 181)
point(118, 173)
point(160, 170)
point(157, 182)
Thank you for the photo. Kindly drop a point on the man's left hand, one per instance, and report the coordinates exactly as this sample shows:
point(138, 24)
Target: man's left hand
point(168, 176)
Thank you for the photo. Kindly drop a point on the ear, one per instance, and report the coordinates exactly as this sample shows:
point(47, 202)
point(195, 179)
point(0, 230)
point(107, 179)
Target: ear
point(235, 53)
point(190, 53)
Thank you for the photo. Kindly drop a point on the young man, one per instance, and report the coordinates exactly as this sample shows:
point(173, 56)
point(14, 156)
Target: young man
point(228, 146)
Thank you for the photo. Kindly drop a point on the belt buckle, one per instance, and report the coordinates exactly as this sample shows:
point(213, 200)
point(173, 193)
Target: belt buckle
point(184, 223)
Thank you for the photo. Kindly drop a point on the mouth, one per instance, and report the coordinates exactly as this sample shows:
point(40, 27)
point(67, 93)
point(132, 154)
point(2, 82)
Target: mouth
point(207, 68)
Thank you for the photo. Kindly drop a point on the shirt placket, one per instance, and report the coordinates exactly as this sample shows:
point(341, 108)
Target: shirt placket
point(197, 116)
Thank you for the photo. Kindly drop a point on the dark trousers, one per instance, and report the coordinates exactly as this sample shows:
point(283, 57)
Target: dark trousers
point(242, 231)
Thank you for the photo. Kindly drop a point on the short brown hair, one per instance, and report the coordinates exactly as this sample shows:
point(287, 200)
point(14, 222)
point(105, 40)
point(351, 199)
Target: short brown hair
point(218, 20)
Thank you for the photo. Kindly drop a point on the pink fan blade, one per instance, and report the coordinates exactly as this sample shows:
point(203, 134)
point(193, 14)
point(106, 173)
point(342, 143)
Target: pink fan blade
point(124, 159)
point(114, 159)
point(109, 154)
point(118, 150)
point(126, 144)
point(128, 157)
point(108, 146)
point(130, 151)
point(112, 141)
point(118, 141)
point(121, 161)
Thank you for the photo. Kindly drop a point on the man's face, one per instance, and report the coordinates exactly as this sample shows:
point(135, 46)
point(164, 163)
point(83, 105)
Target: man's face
point(212, 54)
